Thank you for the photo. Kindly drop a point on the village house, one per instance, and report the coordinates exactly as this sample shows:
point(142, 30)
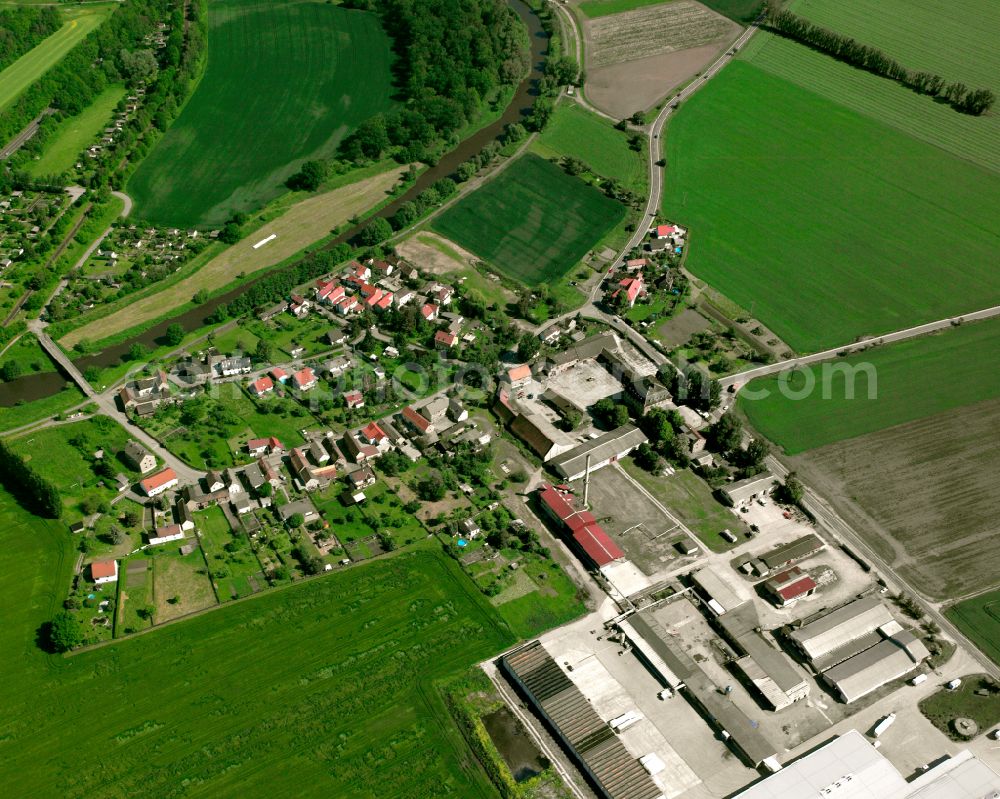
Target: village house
point(261, 386)
point(231, 367)
point(165, 534)
point(429, 312)
point(104, 571)
point(265, 446)
point(304, 379)
point(278, 374)
point(303, 507)
point(158, 483)
point(518, 377)
point(361, 478)
point(444, 340)
point(183, 515)
point(632, 288)
point(354, 399)
point(138, 457)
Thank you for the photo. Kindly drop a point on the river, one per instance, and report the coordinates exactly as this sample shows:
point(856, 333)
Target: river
point(32, 387)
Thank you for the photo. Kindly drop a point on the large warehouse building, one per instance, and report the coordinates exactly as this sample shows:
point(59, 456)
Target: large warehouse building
point(849, 767)
point(859, 648)
point(612, 772)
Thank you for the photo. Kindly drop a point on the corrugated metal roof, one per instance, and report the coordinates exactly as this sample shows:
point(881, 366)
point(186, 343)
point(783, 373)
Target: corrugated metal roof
point(602, 448)
point(873, 668)
point(839, 628)
point(615, 773)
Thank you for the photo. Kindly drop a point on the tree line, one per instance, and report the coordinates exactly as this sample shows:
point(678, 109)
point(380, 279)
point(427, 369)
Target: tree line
point(277, 286)
point(844, 48)
point(115, 53)
point(24, 27)
point(451, 57)
point(32, 490)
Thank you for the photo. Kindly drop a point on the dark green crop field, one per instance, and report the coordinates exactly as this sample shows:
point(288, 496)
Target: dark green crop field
point(286, 81)
point(322, 689)
point(532, 222)
point(912, 380)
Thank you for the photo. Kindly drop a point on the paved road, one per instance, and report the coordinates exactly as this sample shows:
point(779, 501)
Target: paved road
point(741, 378)
point(106, 403)
point(831, 521)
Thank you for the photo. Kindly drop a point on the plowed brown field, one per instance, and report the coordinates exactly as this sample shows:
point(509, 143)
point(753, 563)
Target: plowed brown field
point(924, 496)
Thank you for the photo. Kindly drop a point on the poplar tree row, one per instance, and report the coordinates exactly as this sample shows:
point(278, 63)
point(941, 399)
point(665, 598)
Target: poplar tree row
point(969, 101)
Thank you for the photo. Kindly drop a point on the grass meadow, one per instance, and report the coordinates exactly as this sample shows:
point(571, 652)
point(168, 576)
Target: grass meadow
point(824, 223)
point(37, 61)
point(914, 379)
point(738, 10)
point(74, 134)
point(314, 73)
point(321, 689)
point(979, 619)
point(959, 46)
point(576, 132)
point(533, 222)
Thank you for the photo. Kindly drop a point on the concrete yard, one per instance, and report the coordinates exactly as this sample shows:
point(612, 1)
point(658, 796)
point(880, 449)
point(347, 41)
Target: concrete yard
point(698, 763)
point(637, 524)
point(585, 383)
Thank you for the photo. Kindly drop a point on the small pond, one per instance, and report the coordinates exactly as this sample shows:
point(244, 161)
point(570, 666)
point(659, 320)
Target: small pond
point(515, 745)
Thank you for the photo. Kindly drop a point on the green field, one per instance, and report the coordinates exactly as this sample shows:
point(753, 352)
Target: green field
point(577, 132)
point(739, 10)
point(601, 8)
point(37, 61)
point(826, 224)
point(74, 134)
point(959, 45)
point(533, 222)
point(28, 354)
point(915, 379)
point(322, 689)
point(979, 619)
point(313, 73)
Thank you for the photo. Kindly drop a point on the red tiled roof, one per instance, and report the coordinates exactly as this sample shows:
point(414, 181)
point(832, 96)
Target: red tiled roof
point(159, 479)
point(103, 568)
point(416, 419)
point(167, 530)
point(304, 376)
point(797, 589)
point(353, 397)
point(446, 338)
point(598, 545)
point(428, 310)
point(262, 384)
point(519, 372)
point(384, 301)
point(373, 432)
point(665, 230)
point(278, 373)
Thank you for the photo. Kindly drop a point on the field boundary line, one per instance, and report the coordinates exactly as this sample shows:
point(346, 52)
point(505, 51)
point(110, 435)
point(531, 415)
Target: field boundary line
point(905, 334)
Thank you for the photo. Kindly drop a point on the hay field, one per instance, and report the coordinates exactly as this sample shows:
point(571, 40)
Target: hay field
point(321, 689)
point(653, 30)
point(304, 223)
point(959, 45)
point(911, 379)
point(923, 495)
point(37, 61)
point(532, 222)
point(827, 223)
point(313, 73)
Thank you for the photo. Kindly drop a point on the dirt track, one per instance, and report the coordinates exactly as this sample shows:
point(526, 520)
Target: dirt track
point(922, 495)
